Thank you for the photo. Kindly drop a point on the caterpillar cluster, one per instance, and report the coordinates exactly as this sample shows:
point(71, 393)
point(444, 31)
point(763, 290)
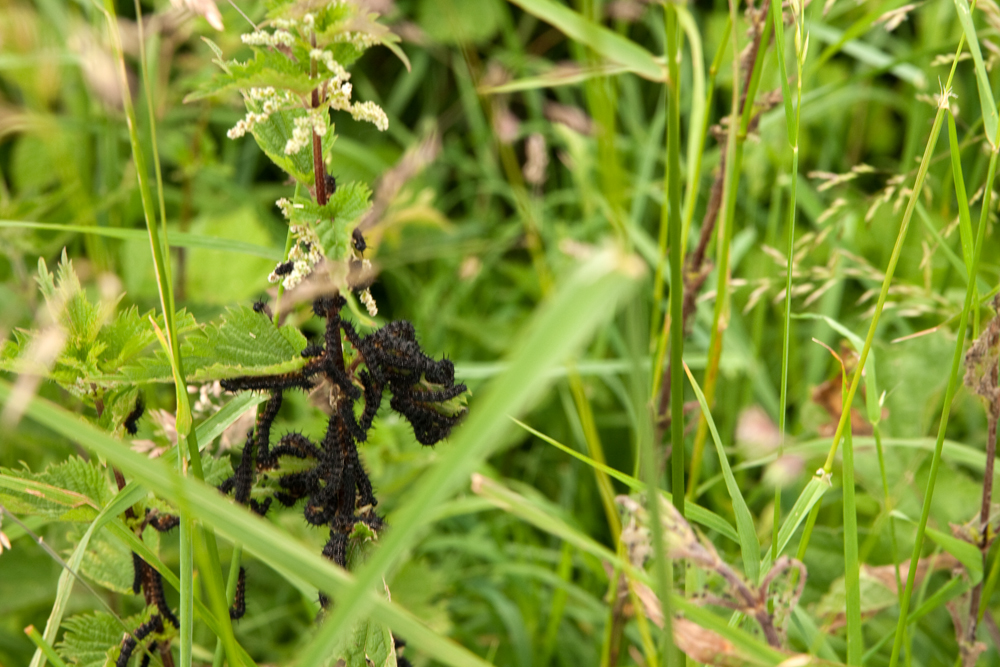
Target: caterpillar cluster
point(149, 583)
point(335, 487)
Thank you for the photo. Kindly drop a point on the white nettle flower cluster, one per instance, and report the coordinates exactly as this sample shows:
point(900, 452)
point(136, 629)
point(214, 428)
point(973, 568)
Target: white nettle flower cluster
point(359, 40)
point(326, 58)
point(314, 121)
point(371, 112)
point(339, 91)
point(269, 101)
point(304, 255)
point(308, 22)
point(263, 38)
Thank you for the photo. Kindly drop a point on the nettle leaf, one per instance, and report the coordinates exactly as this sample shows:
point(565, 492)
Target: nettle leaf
point(244, 342)
point(348, 38)
point(97, 346)
point(273, 134)
point(93, 640)
point(74, 490)
point(217, 470)
point(335, 221)
point(269, 68)
point(130, 333)
point(371, 645)
point(108, 562)
point(69, 305)
point(81, 322)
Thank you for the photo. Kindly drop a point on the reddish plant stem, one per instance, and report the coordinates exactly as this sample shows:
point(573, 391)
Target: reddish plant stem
point(695, 271)
point(120, 483)
point(319, 171)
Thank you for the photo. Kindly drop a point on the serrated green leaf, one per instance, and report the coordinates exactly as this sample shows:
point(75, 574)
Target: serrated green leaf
point(108, 562)
point(269, 68)
point(73, 490)
point(371, 645)
point(126, 336)
point(273, 134)
point(244, 342)
point(93, 640)
point(335, 221)
point(97, 346)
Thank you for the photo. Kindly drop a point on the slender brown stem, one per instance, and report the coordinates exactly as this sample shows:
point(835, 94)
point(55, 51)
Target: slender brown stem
point(120, 482)
point(695, 271)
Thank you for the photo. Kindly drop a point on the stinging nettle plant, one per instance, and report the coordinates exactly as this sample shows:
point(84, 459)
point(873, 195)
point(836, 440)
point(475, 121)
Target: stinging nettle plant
point(295, 79)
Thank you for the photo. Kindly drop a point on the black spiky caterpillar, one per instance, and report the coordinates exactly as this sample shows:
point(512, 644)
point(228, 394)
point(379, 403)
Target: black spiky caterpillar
point(131, 422)
point(335, 487)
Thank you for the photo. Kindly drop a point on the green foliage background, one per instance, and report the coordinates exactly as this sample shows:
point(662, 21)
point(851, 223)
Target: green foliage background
point(474, 252)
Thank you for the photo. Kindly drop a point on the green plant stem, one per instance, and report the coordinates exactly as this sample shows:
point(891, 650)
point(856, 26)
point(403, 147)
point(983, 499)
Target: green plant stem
point(558, 606)
point(673, 658)
point(187, 439)
point(596, 450)
point(852, 565)
point(883, 294)
point(792, 126)
point(672, 204)
point(690, 199)
point(991, 582)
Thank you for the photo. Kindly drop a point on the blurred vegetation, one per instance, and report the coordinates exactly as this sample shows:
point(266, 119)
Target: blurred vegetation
point(508, 162)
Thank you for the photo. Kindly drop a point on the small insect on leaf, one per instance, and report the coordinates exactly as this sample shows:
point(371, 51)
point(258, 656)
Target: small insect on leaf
point(359, 240)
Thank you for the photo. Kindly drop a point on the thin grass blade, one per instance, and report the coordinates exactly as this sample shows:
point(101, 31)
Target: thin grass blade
point(749, 546)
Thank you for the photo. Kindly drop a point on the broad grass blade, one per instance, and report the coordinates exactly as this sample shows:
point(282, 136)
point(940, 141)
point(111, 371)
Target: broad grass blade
point(604, 42)
point(982, 78)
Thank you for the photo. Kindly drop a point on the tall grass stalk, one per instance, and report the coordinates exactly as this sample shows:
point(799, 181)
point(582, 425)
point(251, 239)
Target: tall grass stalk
point(792, 128)
point(852, 564)
point(691, 197)
point(884, 292)
point(672, 213)
point(742, 114)
point(952, 385)
point(187, 438)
